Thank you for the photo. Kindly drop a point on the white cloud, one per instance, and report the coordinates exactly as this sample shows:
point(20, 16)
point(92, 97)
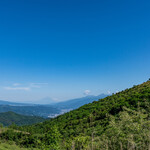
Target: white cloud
point(37, 85)
point(108, 92)
point(17, 88)
point(55, 99)
point(87, 92)
point(16, 84)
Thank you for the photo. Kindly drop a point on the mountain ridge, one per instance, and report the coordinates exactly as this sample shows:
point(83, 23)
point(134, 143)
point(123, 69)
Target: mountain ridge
point(78, 102)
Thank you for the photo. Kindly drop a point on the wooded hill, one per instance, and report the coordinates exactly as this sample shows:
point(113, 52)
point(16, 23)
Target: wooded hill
point(9, 118)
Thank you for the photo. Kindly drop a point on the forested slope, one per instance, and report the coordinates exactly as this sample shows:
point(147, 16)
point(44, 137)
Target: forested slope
point(95, 114)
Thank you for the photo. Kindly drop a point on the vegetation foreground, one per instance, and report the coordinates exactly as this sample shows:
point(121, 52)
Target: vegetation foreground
point(117, 122)
point(6, 146)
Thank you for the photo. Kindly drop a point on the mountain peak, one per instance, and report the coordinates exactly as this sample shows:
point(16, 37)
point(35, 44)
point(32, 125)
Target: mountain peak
point(45, 100)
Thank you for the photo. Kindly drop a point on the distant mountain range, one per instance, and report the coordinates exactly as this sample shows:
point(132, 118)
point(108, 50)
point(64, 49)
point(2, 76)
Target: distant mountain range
point(2, 102)
point(50, 109)
point(43, 101)
point(78, 102)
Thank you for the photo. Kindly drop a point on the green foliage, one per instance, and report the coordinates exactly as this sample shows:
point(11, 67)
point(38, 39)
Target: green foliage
point(12, 146)
point(51, 139)
point(129, 130)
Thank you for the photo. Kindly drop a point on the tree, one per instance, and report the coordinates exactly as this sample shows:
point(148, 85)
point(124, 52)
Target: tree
point(52, 139)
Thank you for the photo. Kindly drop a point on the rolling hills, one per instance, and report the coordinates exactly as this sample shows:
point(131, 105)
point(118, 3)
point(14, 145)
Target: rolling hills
point(34, 110)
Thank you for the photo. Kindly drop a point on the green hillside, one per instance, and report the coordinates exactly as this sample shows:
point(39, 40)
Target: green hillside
point(120, 121)
point(9, 118)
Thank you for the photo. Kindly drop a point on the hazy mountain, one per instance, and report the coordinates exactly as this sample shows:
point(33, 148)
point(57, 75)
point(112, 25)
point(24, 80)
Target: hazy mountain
point(44, 101)
point(3, 102)
point(76, 103)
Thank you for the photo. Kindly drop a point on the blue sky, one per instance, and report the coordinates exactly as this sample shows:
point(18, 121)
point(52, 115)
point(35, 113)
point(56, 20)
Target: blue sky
point(59, 49)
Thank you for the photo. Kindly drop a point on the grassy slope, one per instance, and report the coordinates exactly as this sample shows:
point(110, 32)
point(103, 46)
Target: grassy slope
point(6, 146)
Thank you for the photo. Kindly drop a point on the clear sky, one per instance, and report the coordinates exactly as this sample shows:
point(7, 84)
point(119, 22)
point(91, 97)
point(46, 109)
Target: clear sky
point(69, 48)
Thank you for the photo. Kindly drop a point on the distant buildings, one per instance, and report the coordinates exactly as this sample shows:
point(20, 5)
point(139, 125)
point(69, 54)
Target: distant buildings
point(62, 112)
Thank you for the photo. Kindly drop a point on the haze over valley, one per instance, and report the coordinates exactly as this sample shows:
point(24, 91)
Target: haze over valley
point(47, 109)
